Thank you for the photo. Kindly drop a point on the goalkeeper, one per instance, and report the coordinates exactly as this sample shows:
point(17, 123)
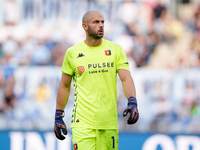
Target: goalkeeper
point(93, 65)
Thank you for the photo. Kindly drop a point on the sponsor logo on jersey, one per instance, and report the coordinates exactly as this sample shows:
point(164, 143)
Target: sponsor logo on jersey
point(101, 65)
point(75, 146)
point(80, 55)
point(107, 52)
point(81, 70)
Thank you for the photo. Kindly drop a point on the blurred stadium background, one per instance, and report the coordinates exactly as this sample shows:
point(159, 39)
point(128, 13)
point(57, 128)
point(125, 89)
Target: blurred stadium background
point(161, 39)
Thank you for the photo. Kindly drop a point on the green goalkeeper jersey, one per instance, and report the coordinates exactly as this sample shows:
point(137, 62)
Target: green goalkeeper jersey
point(94, 71)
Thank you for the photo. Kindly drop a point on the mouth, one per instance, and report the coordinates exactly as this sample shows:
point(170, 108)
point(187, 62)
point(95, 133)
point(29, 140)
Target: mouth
point(100, 31)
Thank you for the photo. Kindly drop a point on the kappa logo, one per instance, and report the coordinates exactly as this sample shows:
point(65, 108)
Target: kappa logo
point(80, 55)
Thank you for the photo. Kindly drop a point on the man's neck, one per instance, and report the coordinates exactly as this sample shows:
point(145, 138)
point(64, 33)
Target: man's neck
point(93, 42)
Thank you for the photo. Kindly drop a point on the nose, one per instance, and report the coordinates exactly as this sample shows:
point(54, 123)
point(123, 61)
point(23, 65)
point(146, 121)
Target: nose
point(101, 24)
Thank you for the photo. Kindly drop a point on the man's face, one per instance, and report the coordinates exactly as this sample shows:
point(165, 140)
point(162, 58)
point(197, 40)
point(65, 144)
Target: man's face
point(96, 26)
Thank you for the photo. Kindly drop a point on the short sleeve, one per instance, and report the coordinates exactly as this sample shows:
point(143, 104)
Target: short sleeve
point(67, 64)
point(122, 62)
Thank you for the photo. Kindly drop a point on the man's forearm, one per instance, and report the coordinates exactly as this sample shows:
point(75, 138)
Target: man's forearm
point(62, 96)
point(129, 87)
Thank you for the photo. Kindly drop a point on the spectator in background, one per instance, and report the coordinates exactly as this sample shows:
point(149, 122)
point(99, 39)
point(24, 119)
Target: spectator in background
point(131, 29)
point(159, 10)
point(128, 12)
point(12, 12)
point(9, 98)
point(194, 111)
point(194, 51)
point(28, 9)
point(9, 48)
point(140, 51)
point(41, 55)
point(196, 19)
point(162, 110)
point(43, 91)
point(21, 56)
point(189, 94)
point(7, 82)
point(58, 53)
point(153, 39)
point(1, 89)
point(173, 28)
point(7, 73)
point(127, 43)
point(191, 22)
point(1, 52)
point(158, 15)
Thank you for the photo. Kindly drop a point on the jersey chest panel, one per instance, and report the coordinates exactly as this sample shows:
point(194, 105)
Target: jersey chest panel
point(95, 63)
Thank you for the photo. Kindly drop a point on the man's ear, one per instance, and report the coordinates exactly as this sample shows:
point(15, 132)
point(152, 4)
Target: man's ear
point(85, 26)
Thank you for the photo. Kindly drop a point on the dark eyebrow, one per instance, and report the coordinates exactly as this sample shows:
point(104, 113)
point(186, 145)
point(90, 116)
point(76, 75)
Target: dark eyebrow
point(99, 21)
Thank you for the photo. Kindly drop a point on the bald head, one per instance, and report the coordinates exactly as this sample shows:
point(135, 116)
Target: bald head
point(88, 14)
point(93, 24)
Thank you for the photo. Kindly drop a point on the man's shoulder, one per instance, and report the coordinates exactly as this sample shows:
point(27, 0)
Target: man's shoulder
point(73, 50)
point(111, 43)
point(76, 46)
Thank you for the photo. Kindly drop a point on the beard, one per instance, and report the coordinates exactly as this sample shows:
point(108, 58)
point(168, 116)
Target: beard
point(94, 34)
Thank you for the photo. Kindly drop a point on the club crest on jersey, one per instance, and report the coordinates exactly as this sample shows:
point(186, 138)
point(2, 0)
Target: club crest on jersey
point(75, 146)
point(107, 52)
point(81, 70)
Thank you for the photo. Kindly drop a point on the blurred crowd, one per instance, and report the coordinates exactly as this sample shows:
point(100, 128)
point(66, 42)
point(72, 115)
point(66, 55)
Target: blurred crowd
point(169, 101)
point(155, 34)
